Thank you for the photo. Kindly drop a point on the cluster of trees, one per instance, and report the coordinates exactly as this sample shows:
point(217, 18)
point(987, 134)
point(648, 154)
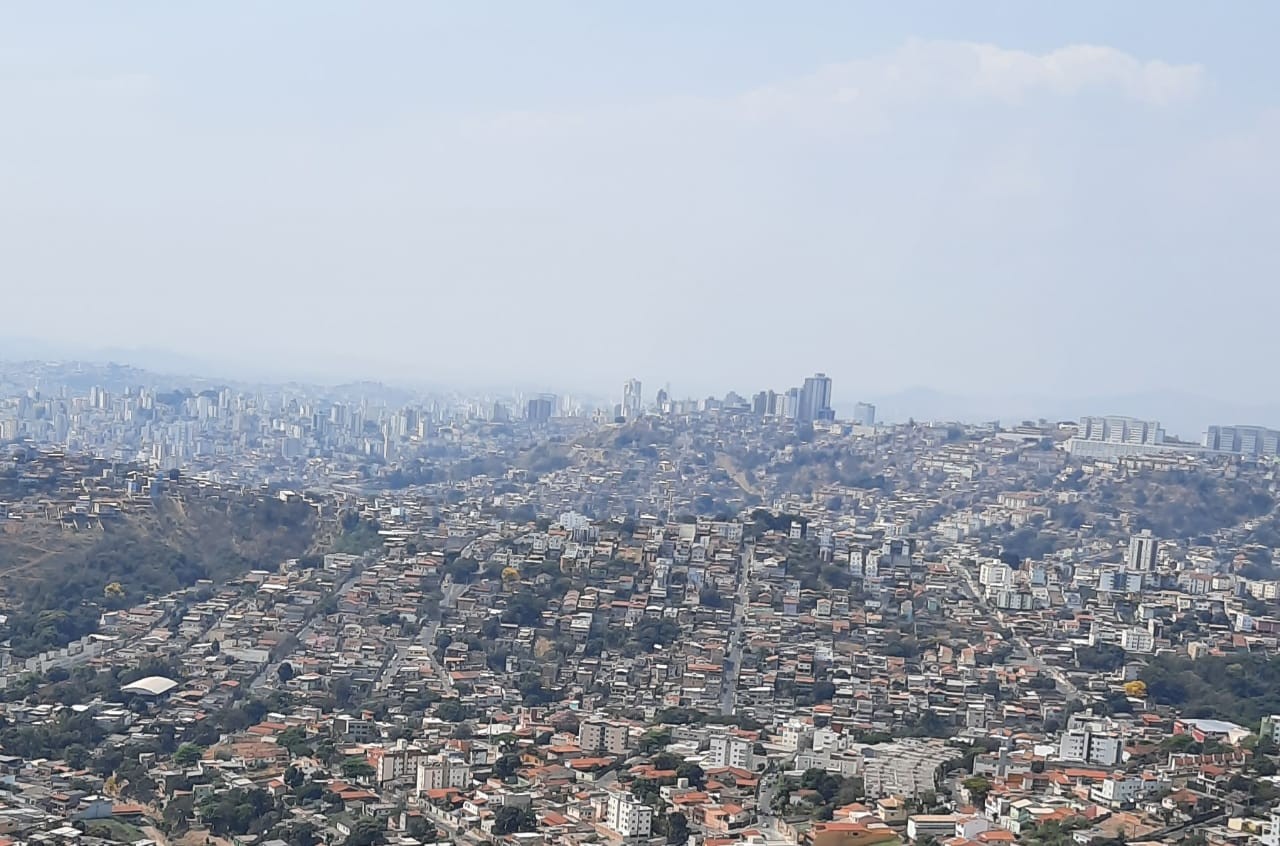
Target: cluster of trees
point(763, 520)
point(1242, 687)
point(804, 564)
point(358, 535)
point(1101, 657)
point(70, 736)
point(677, 716)
point(828, 792)
point(81, 684)
point(524, 608)
point(651, 632)
point(510, 819)
point(238, 811)
point(452, 711)
point(675, 827)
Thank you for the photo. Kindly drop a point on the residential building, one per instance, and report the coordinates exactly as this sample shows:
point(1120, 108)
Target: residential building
point(628, 816)
point(603, 736)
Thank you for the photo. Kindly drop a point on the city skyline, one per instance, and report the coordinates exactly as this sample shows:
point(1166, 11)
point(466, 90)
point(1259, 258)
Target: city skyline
point(1187, 417)
point(717, 424)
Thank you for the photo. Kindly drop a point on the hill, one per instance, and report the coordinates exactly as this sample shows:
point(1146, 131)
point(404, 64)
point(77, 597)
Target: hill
point(58, 575)
point(1241, 687)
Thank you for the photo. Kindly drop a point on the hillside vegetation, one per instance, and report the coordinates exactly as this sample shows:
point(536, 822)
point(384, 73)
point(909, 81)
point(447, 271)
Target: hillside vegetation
point(55, 582)
point(1241, 687)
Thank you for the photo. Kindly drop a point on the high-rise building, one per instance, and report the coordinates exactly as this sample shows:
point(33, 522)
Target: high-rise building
point(815, 399)
point(764, 403)
point(864, 414)
point(789, 404)
point(540, 409)
point(1142, 552)
point(632, 400)
point(1249, 441)
point(1111, 437)
point(1120, 430)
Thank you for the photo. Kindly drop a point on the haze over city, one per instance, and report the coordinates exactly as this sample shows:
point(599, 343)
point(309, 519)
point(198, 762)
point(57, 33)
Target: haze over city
point(997, 202)
point(639, 424)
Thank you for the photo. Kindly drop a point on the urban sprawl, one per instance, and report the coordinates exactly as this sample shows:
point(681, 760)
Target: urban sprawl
point(291, 615)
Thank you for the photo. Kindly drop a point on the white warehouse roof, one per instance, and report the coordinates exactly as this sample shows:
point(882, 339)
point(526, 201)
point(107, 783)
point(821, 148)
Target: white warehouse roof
point(151, 686)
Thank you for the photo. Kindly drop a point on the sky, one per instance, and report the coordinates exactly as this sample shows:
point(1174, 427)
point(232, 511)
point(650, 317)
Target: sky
point(994, 199)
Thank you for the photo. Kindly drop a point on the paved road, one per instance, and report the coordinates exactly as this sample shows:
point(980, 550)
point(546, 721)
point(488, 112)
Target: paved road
point(426, 638)
point(766, 822)
point(737, 639)
point(1030, 657)
point(268, 672)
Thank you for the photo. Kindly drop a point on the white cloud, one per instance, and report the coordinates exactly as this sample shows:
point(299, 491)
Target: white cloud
point(929, 72)
point(864, 95)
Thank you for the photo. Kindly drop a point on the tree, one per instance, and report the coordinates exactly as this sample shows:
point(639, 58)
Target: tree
point(367, 831)
point(187, 754)
point(978, 788)
point(677, 828)
point(510, 819)
point(452, 711)
point(1102, 657)
point(693, 772)
point(302, 834)
point(505, 767)
point(354, 769)
point(294, 739)
point(654, 740)
point(235, 811)
point(421, 829)
point(284, 672)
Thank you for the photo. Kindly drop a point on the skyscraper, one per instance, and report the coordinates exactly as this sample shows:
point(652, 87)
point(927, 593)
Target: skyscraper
point(815, 399)
point(864, 414)
point(540, 408)
point(1142, 551)
point(632, 402)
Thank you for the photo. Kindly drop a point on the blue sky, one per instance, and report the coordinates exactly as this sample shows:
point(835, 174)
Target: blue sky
point(991, 198)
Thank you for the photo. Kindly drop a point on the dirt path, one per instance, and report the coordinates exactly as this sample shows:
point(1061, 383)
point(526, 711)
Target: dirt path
point(34, 562)
point(740, 479)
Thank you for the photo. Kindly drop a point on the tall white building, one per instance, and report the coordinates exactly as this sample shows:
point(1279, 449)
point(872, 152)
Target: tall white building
point(995, 574)
point(628, 816)
point(1250, 441)
point(815, 399)
point(1111, 437)
point(1142, 552)
point(1120, 430)
point(730, 751)
point(1086, 747)
point(632, 403)
point(1137, 640)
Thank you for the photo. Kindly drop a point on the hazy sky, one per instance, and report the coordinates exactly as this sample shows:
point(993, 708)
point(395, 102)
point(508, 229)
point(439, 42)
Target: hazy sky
point(1067, 198)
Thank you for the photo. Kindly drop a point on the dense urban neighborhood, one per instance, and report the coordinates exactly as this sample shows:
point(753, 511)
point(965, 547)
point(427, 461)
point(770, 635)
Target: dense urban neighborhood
point(290, 616)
